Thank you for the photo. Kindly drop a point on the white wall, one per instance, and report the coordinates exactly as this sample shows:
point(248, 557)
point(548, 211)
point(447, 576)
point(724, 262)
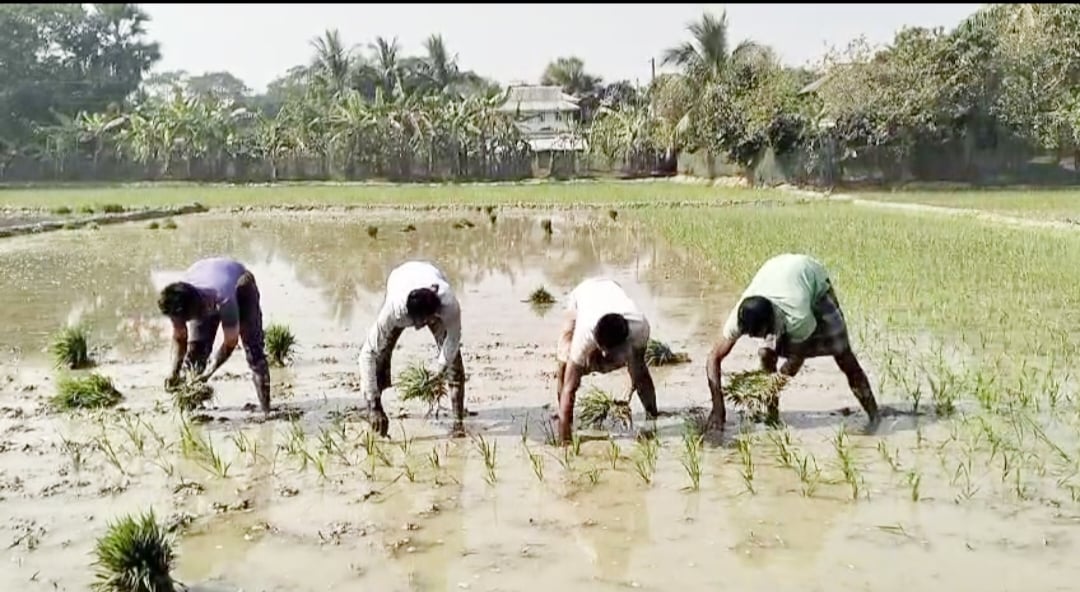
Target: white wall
point(545, 122)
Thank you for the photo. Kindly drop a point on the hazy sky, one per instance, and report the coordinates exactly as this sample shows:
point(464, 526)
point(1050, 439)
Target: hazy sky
point(513, 42)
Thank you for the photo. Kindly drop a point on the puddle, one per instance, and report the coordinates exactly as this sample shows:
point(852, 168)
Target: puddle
point(307, 504)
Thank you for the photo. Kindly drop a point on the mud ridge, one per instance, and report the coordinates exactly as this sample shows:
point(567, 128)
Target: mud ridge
point(101, 220)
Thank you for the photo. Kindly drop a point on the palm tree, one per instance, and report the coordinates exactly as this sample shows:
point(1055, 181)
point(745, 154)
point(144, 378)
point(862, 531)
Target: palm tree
point(706, 55)
point(569, 73)
point(386, 63)
point(442, 68)
point(332, 63)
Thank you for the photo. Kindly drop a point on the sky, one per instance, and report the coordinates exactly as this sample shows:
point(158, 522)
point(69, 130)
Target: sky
point(513, 42)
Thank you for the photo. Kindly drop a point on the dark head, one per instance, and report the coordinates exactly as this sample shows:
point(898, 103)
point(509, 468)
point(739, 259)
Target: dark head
point(180, 300)
point(611, 331)
point(756, 316)
point(421, 305)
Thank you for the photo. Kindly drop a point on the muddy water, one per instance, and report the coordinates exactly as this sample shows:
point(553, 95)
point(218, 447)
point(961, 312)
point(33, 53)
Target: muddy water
point(304, 505)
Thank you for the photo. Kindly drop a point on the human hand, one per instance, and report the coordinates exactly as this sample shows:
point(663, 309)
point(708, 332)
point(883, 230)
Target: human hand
point(172, 382)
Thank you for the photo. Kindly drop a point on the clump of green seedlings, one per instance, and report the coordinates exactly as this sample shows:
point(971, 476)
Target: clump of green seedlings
point(70, 348)
point(597, 406)
point(62, 211)
point(754, 390)
point(614, 215)
point(658, 353)
point(846, 461)
point(373, 231)
point(417, 382)
point(489, 209)
point(85, 392)
point(645, 463)
point(87, 209)
point(409, 228)
point(246, 224)
point(488, 450)
point(746, 457)
point(279, 342)
point(693, 442)
point(463, 223)
point(493, 217)
point(153, 225)
point(541, 297)
point(169, 224)
point(135, 555)
point(112, 209)
point(545, 224)
point(191, 395)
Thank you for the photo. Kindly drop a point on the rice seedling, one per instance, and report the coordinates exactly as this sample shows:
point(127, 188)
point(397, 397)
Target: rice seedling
point(613, 453)
point(914, 480)
point(891, 458)
point(69, 226)
point(537, 462)
point(62, 211)
point(614, 215)
point(493, 218)
point(86, 392)
point(489, 451)
point(754, 390)
point(691, 460)
point(842, 446)
point(153, 225)
point(133, 432)
point(781, 441)
point(746, 458)
point(201, 450)
point(279, 342)
point(540, 297)
point(645, 463)
point(112, 208)
point(169, 224)
point(545, 224)
point(417, 382)
point(245, 224)
point(409, 228)
point(88, 209)
point(463, 223)
point(593, 476)
point(489, 209)
point(434, 460)
point(658, 353)
point(809, 476)
point(75, 451)
point(597, 406)
point(134, 555)
point(70, 348)
point(373, 231)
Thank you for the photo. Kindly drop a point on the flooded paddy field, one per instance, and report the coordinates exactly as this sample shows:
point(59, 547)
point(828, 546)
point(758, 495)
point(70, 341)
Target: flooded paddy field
point(973, 498)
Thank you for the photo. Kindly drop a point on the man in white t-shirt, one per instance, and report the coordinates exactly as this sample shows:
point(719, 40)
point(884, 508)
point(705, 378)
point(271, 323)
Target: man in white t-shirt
point(604, 331)
point(418, 295)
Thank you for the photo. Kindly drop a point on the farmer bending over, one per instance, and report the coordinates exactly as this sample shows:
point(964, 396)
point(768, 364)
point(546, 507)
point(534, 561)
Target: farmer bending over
point(212, 292)
point(604, 331)
point(418, 295)
point(790, 304)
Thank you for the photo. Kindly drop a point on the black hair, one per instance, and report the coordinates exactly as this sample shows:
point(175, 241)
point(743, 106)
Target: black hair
point(422, 303)
point(180, 300)
point(756, 316)
point(611, 330)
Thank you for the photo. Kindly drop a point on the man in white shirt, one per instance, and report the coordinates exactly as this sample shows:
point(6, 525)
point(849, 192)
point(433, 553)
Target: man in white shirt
point(418, 295)
point(604, 331)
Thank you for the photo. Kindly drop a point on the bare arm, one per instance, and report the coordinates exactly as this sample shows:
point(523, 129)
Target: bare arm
point(451, 319)
point(712, 372)
point(570, 383)
point(180, 344)
point(378, 339)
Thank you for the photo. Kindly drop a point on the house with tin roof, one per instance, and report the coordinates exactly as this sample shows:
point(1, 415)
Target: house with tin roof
point(546, 117)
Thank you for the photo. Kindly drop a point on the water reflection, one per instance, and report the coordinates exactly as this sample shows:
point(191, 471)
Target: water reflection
point(323, 272)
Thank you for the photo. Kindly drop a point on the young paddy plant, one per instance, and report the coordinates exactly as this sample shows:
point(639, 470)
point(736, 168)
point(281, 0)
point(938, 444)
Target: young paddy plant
point(809, 474)
point(846, 461)
point(645, 464)
point(744, 446)
point(70, 348)
point(691, 459)
point(279, 342)
point(781, 441)
point(488, 450)
point(373, 231)
point(537, 463)
point(597, 406)
point(169, 224)
point(85, 392)
point(613, 453)
point(541, 297)
point(134, 555)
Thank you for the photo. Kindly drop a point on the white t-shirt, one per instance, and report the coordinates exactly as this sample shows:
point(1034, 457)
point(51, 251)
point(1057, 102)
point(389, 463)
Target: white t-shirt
point(393, 315)
point(591, 300)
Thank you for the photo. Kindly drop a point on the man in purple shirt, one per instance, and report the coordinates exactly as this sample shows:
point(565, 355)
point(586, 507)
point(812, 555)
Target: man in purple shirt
point(212, 292)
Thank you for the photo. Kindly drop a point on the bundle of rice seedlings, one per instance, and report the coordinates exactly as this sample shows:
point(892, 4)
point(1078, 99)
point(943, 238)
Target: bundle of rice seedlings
point(153, 225)
point(70, 348)
point(597, 406)
point(62, 211)
point(754, 389)
point(135, 555)
point(409, 228)
point(86, 392)
point(658, 353)
point(246, 224)
point(169, 224)
point(541, 296)
point(463, 223)
point(489, 210)
point(493, 217)
point(417, 382)
point(191, 395)
point(372, 231)
point(112, 208)
point(546, 225)
point(279, 342)
point(612, 214)
point(87, 209)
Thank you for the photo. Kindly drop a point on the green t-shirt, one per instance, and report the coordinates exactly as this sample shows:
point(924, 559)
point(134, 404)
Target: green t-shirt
point(793, 283)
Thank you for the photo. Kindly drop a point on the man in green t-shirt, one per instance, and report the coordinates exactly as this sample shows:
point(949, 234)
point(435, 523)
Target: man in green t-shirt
point(790, 304)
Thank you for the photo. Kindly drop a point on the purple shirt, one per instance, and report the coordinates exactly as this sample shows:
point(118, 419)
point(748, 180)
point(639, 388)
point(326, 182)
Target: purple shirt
point(217, 277)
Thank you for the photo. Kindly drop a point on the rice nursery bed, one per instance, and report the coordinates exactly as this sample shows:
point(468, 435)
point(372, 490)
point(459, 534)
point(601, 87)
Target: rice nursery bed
point(970, 479)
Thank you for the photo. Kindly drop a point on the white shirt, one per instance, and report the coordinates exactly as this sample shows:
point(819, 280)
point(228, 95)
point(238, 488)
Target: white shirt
point(393, 315)
point(591, 300)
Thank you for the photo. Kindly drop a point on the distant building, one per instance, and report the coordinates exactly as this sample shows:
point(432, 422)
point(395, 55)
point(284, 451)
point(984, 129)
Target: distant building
point(545, 116)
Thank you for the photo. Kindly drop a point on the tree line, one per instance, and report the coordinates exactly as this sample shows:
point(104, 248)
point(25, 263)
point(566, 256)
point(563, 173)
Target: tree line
point(995, 98)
